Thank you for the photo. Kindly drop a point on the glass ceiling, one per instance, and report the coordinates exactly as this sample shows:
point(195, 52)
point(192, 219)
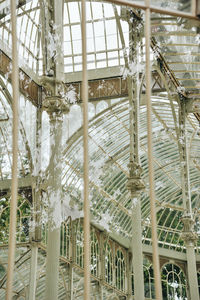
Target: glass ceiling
point(178, 40)
point(179, 5)
point(174, 5)
point(28, 25)
point(103, 41)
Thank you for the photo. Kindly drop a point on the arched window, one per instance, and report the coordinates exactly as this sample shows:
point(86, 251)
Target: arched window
point(65, 238)
point(79, 244)
point(94, 253)
point(23, 219)
point(149, 289)
point(108, 263)
point(173, 282)
point(120, 270)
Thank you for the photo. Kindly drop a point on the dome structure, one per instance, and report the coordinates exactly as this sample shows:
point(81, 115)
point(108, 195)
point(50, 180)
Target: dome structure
point(99, 188)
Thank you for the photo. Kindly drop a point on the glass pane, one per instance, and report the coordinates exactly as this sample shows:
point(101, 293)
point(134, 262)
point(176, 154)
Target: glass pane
point(179, 5)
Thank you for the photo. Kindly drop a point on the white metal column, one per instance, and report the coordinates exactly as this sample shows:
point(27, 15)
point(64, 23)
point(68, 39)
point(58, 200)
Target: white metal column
point(33, 271)
point(192, 272)
point(35, 235)
point(86, 156)
point(156, 262)
point(14, 186)
point(135, 183)
point(54, 106)
point(188, 235)
point(137, 254)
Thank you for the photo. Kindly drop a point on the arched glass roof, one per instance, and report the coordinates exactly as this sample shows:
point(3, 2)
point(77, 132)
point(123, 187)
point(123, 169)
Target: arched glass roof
point(109, 140)
point(109, 156)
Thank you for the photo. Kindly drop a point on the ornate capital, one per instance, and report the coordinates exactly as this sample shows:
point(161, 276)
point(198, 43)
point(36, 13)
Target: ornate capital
point(189, 238)
point(135, 183)
point(188, 235)
point(55, 105)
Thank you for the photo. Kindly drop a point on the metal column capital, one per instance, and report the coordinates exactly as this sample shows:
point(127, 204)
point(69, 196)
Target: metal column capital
point(188, 235)
point(135, 184)
point(55, 106)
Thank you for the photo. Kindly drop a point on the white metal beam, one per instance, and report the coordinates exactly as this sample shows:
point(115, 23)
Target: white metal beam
point(94, 74)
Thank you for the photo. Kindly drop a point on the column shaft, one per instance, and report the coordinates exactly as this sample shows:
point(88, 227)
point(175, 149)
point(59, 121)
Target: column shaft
point(36, 191)
point(52, 265)
point(135, 184)
point(35, 236)
point(189, 235)
point(137, 255)
point(54, 213)
point(192, 273)
point(33, 272)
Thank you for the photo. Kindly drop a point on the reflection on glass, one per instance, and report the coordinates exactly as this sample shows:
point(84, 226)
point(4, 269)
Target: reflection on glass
point(178, 41)
point(180, 5)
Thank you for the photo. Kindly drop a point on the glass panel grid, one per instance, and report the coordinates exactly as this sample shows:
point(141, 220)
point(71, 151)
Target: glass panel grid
point(28, 29)
point(103, 40)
